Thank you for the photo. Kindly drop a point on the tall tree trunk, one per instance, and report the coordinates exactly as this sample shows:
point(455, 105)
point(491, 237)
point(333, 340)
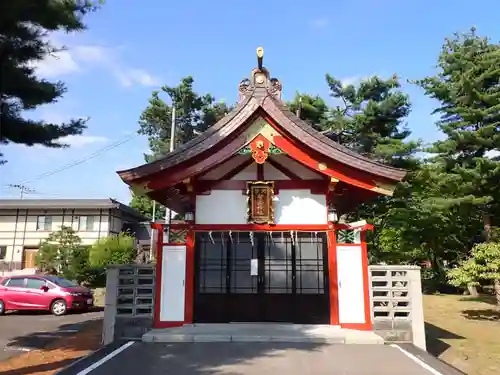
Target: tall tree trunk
point(497, 290)
point(472, 290)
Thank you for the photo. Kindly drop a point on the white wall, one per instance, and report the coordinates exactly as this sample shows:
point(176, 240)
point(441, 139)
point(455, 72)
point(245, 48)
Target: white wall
point(350, 282)
point(19, 229)
point(221, 207)
point(300, 207)
point(290, 207)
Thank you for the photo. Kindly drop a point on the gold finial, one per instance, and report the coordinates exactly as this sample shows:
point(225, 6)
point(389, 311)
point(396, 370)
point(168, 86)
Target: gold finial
point(260, 55)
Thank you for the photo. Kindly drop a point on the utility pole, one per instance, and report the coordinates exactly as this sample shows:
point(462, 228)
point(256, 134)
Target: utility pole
point(22, 189)
point(299, 107)
point(168, 212)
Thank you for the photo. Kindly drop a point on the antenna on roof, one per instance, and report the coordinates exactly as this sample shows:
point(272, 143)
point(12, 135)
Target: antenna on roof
point(22, 188)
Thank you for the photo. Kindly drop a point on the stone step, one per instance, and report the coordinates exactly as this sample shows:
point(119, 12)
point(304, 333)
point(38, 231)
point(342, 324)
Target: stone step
point(262, 333)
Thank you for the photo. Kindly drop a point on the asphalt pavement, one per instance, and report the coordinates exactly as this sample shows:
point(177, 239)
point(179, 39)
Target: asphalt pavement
point(222, 358)
point(30, 330)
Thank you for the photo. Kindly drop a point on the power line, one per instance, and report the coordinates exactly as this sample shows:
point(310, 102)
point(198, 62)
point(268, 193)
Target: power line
point(22, 188)
point(81, 161)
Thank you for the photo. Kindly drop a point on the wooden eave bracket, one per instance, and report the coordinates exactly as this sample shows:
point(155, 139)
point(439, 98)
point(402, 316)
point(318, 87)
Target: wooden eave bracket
point(332, 184)
point(383, 188)
point(189, 185)
point(140, 189)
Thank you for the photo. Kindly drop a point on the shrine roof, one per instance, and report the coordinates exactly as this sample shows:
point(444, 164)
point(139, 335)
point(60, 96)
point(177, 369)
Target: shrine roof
point(262, 95)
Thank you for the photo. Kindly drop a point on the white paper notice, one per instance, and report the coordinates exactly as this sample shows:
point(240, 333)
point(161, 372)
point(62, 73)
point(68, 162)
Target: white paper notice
point(254, 267)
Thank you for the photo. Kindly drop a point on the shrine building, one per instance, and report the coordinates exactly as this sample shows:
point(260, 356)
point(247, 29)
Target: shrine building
point(261, 192)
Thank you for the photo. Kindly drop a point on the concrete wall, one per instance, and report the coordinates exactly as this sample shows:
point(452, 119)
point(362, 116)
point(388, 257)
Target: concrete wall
point(397, 309)
point(129, 302)
point(396, 293)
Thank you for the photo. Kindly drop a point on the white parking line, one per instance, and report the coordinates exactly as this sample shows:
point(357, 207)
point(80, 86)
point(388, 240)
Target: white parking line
point(16, 349)
point(106, 358)
point(417, 360)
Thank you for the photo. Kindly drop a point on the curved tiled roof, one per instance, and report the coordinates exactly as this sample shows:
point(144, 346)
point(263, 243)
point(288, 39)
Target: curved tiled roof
point(266, 99)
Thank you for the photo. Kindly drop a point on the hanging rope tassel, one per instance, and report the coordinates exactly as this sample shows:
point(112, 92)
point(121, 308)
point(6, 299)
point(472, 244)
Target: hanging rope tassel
point(271, 237)
point(211, 237)
point(251, 238)
point(231, 236)
point(293, 239)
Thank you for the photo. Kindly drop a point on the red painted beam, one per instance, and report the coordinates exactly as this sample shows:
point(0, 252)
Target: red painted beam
point(254, 227)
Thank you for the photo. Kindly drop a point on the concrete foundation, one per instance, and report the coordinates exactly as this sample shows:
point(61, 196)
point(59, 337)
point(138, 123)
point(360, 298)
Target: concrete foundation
point(262, 332)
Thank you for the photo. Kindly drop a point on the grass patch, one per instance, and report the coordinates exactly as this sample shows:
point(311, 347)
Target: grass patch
point(464, 332)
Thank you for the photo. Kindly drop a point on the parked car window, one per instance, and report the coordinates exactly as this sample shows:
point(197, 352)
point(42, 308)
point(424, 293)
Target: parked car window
point(16, 282)
point(34, 283)
point(59, 281)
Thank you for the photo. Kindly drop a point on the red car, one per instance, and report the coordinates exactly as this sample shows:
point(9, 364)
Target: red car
point(43, 292)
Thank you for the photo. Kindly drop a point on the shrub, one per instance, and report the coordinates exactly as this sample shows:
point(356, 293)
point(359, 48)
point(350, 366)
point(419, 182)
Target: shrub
point(62, 254)
point(115, 249)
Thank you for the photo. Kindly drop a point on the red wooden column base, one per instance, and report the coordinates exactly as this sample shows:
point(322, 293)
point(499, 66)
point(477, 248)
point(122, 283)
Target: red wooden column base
point(189, 284)
point(333, 278)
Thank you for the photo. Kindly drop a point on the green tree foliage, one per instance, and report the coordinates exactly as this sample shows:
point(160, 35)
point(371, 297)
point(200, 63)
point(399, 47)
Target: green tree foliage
point(24, 27)
point(313, 110)
point(371, 118)
point(195, 113)
point(62, 254)
point(483, 264)
point(144, 205)
point(469, 94)
point(114, 249)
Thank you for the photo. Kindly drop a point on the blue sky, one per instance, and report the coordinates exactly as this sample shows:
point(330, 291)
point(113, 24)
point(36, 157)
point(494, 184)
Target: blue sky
point(130, 50)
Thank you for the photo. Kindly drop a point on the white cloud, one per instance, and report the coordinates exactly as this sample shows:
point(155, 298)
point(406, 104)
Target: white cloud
point(492, 154)
point(353, 80)
point(76, 58)
point(320, 23)
point(79, 141)
point(76, 141)
point(57, 64)
point(130, 77)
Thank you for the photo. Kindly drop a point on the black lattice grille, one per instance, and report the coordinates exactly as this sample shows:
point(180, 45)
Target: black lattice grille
point(212, 264)
point(310, 263)
point(278, 264)
point(285, 265)
point(241, 253)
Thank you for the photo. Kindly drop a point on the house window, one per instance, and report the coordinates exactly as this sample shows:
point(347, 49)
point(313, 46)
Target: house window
point(3, 252)
point(86, 223)
point(44, 223)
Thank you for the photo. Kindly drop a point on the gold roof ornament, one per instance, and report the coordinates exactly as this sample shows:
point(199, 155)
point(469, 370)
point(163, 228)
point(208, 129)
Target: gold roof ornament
point(260, 57)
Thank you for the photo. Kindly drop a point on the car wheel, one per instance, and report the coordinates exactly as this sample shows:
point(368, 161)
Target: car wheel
point(58, 307)
point(2, 307)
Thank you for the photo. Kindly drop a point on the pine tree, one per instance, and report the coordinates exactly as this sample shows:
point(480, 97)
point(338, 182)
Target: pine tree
point(467, 87)
point(24, 27)
point(370, 120)
point(194, 114)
